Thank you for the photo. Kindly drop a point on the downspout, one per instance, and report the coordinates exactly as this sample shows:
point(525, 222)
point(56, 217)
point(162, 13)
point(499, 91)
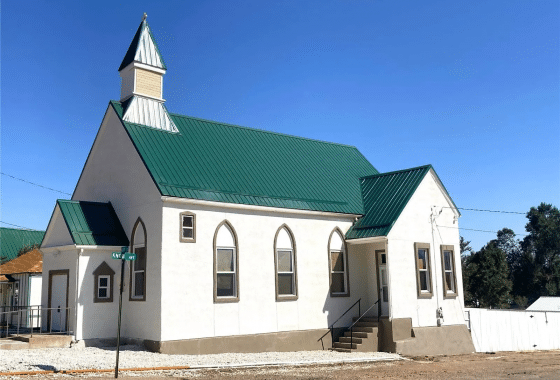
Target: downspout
point(76, 293)
point(439, 312)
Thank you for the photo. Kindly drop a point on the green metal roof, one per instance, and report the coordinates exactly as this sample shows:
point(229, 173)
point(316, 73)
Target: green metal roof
point(220, 162)
point(385, 197)
point(13, 239)
point(142, 50)
point(92, 223)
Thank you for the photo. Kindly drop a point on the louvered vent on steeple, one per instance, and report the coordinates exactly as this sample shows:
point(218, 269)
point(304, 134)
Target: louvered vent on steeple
point(142, 71)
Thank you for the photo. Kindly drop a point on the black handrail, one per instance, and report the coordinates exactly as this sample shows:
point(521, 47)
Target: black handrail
point(331, 327)
point(358, 320)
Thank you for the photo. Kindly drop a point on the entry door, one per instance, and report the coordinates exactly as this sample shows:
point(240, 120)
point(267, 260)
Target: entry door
point(58, 301)
point(383, 283)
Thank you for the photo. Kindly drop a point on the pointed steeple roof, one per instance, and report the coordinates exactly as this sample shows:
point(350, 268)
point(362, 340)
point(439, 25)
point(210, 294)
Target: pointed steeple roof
point(143, 48)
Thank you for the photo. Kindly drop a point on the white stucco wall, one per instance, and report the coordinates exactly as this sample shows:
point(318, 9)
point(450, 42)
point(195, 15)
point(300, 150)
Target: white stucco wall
point(414, 226)
point(188, 308)
point(115, 173)
point(57, 232)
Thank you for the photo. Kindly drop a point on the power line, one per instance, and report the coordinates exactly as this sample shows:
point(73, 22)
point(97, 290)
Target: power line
point(15, 225)
point(35, 184)
point(482, 210)
point(472, 229)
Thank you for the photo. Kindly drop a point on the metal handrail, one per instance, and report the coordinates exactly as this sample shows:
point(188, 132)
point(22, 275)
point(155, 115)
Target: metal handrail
point(331, 327)
point(358, 320)
point(33, 319)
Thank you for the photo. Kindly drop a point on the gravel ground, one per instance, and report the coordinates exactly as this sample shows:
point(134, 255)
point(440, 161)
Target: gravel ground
point(137, 357)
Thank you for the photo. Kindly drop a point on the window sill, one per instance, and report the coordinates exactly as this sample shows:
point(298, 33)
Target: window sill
point(425, 295)
point(225, 299)
point(184, 240)
point(280, 298)
point(102, 300)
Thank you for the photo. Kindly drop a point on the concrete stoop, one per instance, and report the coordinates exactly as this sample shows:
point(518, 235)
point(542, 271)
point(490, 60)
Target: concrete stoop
point(431, 341)
point(363, 338)
point(22, 342)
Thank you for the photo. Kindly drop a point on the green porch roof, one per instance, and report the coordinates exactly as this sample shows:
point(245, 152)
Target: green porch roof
point(92, 223)
point(220, 162)
point(13, 239)
point(385, 197)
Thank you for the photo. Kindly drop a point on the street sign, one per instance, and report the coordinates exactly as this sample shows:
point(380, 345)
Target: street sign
point(130, 256)
point(117, 255)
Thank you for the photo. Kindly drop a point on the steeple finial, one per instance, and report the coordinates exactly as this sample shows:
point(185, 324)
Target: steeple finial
point(145, 16)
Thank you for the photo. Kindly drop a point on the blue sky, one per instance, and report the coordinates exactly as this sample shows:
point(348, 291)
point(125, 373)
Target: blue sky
point(469, 87)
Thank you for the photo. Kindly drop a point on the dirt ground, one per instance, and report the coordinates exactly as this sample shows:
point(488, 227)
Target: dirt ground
point(502, 365)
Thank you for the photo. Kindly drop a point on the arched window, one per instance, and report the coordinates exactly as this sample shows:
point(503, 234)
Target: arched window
point(226, 264)
point(138, 266)
point(285, 264)
point(338, 265)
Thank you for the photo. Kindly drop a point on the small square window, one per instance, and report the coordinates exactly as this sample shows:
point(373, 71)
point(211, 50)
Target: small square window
point(188, 226)
point(103, 281)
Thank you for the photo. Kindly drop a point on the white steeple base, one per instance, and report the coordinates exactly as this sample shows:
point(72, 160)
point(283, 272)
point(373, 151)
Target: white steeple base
point(148, 112)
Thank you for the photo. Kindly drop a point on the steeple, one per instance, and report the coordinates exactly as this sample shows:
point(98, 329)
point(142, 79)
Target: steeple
point(141, 72)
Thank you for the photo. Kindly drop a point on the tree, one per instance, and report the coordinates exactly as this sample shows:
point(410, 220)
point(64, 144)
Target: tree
point(27, 248)
point(487, 278)
point(542, 249)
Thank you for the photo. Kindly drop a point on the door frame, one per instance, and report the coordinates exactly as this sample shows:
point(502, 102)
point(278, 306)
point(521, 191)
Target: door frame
point(378, 253)
point(52, 273)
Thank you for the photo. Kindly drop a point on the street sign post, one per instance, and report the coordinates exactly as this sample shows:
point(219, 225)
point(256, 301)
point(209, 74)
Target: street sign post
point(123, 255)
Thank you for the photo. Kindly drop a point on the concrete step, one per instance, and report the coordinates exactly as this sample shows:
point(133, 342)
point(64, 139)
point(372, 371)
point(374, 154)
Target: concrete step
point(365, 319)
point(347, 339)
point(341, 349)
point(364, 329)
point(9, 344)
point(365, 324)
point(346, 345)
point(358, 334)
point(45, 341)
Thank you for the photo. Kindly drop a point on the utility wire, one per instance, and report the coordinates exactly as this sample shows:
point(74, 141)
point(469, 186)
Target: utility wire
point(15, 225)
point(472, 229)
point(35, 184)
point(497, 211)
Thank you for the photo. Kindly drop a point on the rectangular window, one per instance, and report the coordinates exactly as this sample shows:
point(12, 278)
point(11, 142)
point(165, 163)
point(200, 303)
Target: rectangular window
point(423, 276)
point(103, 287)
point(448, 270)
point(285, 267)
point(339, 283)
point(225, 272)
point(138, 273)
point(188, 220)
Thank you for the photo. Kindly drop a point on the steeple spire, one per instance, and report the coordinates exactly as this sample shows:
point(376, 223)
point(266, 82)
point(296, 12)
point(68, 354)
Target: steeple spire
point(142, 71)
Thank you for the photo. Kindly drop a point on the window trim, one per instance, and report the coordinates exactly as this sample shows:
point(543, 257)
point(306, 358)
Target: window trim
point(346, 264)
point(132, 297)
point(446, 292)
point(429, 292)
point(214, 269)
point(183, 239)
point(286, 297)
point(103, 270)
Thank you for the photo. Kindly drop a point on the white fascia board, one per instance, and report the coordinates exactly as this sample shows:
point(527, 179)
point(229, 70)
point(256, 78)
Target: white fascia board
point(189, 201)
point(84, 247)
point(374, 239)
point(445, 193)
point(57, 248)
point(145, 67)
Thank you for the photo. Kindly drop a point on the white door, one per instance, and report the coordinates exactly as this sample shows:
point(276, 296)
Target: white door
point(57, 314)
point(383, 284)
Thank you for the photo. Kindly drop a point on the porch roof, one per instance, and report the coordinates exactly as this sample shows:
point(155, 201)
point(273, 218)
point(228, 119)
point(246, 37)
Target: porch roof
point(92, 223)
point(385, 197)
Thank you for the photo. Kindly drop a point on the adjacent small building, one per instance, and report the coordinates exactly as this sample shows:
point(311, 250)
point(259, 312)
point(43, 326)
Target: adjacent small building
point(248, 240)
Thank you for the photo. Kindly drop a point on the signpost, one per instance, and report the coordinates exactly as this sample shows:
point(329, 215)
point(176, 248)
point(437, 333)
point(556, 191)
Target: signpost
point(123, 255)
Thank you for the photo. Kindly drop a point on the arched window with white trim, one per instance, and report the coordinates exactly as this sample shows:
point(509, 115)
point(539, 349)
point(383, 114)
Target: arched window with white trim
point(338, 265)
point(285, 264)
point(226, 264)
point(138, 267)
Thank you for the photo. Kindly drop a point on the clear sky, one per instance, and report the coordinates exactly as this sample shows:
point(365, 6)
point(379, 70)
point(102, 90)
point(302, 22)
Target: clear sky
point(471, 87)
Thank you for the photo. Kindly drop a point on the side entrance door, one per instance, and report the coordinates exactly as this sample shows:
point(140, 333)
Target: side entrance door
point(383, 284)
point(58, 300)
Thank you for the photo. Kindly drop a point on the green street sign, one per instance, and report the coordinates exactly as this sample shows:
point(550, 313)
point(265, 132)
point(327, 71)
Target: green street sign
point(117, 255)
point(130, 256)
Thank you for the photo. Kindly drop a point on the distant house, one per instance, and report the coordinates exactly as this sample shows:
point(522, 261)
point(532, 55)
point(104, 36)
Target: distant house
point(21, 285)
point(545, 304)
point(248, 240)
point(20, 277)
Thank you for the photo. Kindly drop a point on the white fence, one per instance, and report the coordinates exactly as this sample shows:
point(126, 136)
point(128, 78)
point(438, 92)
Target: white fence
point(512, 330)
